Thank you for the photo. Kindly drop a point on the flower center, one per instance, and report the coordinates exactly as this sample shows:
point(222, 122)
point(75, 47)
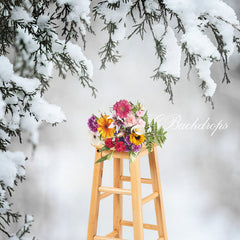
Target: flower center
point(122, 109)
point(106, 126)
point(137, 137)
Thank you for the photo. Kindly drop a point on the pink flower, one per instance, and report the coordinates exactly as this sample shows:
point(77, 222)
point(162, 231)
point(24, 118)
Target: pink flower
point(141, 122)
point(122, 108)
point(130, 120)
point(140, 113)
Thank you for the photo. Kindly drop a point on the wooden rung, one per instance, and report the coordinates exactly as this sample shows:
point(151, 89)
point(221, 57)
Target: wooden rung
point(105, 238)
point(112, 234)
point(145, 225)
point(149, 198)
point(143, 180)
point(104, 195)
point(115, 190)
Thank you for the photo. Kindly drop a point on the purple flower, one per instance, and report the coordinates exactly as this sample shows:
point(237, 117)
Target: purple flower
point(126, 148)
point(136, 148)
point(127, 140)
point(117, 121)
point(92, 123)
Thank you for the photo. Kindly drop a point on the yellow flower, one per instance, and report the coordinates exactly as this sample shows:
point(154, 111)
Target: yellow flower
point(137, 139)
point(103, 127)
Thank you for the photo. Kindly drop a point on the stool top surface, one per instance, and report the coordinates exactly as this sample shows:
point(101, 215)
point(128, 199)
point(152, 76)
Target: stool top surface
point(124, 155)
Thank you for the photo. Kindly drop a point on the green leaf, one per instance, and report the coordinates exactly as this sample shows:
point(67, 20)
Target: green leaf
point(132, 156)
point(104, 148)
point(109, 156)
point(106, 157)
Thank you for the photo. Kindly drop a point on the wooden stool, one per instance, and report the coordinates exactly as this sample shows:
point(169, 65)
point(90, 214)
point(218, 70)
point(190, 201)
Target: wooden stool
point(100, 192)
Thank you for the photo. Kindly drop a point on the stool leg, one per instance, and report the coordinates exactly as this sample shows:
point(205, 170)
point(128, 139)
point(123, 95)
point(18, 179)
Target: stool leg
point(136, 199)
point(95, 198)
point(117, 198)
point(156, 184)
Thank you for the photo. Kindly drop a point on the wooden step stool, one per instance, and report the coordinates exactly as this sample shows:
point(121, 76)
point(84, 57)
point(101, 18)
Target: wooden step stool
point(100, 192)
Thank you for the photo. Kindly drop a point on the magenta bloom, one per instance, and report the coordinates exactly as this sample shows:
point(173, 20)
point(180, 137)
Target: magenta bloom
point(136, 148)
point(92, 124)
point(122, 108)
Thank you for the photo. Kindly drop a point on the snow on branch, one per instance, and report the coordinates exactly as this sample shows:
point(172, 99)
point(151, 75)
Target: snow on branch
point(193, 20)
point(40, 34)
point(114, 14)
point(21, 108)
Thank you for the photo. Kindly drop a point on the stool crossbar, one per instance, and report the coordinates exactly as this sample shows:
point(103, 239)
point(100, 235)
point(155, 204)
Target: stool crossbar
point(100, 192)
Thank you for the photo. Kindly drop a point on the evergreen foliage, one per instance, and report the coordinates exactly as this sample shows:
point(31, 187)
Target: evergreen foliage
point(142, 15)
point(37, 35)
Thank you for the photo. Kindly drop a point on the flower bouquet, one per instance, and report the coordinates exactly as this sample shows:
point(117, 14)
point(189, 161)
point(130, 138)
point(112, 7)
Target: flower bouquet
point(126, 130)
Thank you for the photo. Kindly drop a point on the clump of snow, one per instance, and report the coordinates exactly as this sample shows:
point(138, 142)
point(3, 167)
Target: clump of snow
point(15, 120)
point(30, 125)
point(29, 218)
point(30, 44)
point(203, 67)
point(113, 1)
point(4, 136)
point(198, 43)
point(7, 75)
point(27, 84)
point(75, 52)
point(19, 13)
point(6, 72)
point(2, 107)
point(227, 32)
point(171, 63)
point(118, 17)
point(45, 111)
point(57, 44)
point(80, 10)
point(19, 118)
point(4, 206)
point(44, 66)
point(151, 6)
point(11, 165)
point(42, 21)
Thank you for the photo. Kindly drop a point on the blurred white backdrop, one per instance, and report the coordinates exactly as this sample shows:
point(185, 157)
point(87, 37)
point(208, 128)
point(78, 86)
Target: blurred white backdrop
point(200, 173)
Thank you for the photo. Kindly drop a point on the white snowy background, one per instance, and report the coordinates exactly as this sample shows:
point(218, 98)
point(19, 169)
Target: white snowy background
point(200, 173)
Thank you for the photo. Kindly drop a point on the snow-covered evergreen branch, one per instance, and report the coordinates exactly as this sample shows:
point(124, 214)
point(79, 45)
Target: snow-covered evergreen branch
point(174, 24)
point(39, 34)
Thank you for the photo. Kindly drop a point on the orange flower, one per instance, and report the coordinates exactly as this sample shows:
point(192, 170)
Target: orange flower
point(104, 122)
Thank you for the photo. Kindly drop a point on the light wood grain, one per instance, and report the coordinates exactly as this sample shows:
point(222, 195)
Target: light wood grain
point(115, 190)
point(149, 198)
point(158, 201)
point(143, 180)
point(145, 225)
point(104, 195)
point(136, 199)
point(112, 234)
point(135, 191)
point(95, 198)
point(117, 198)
